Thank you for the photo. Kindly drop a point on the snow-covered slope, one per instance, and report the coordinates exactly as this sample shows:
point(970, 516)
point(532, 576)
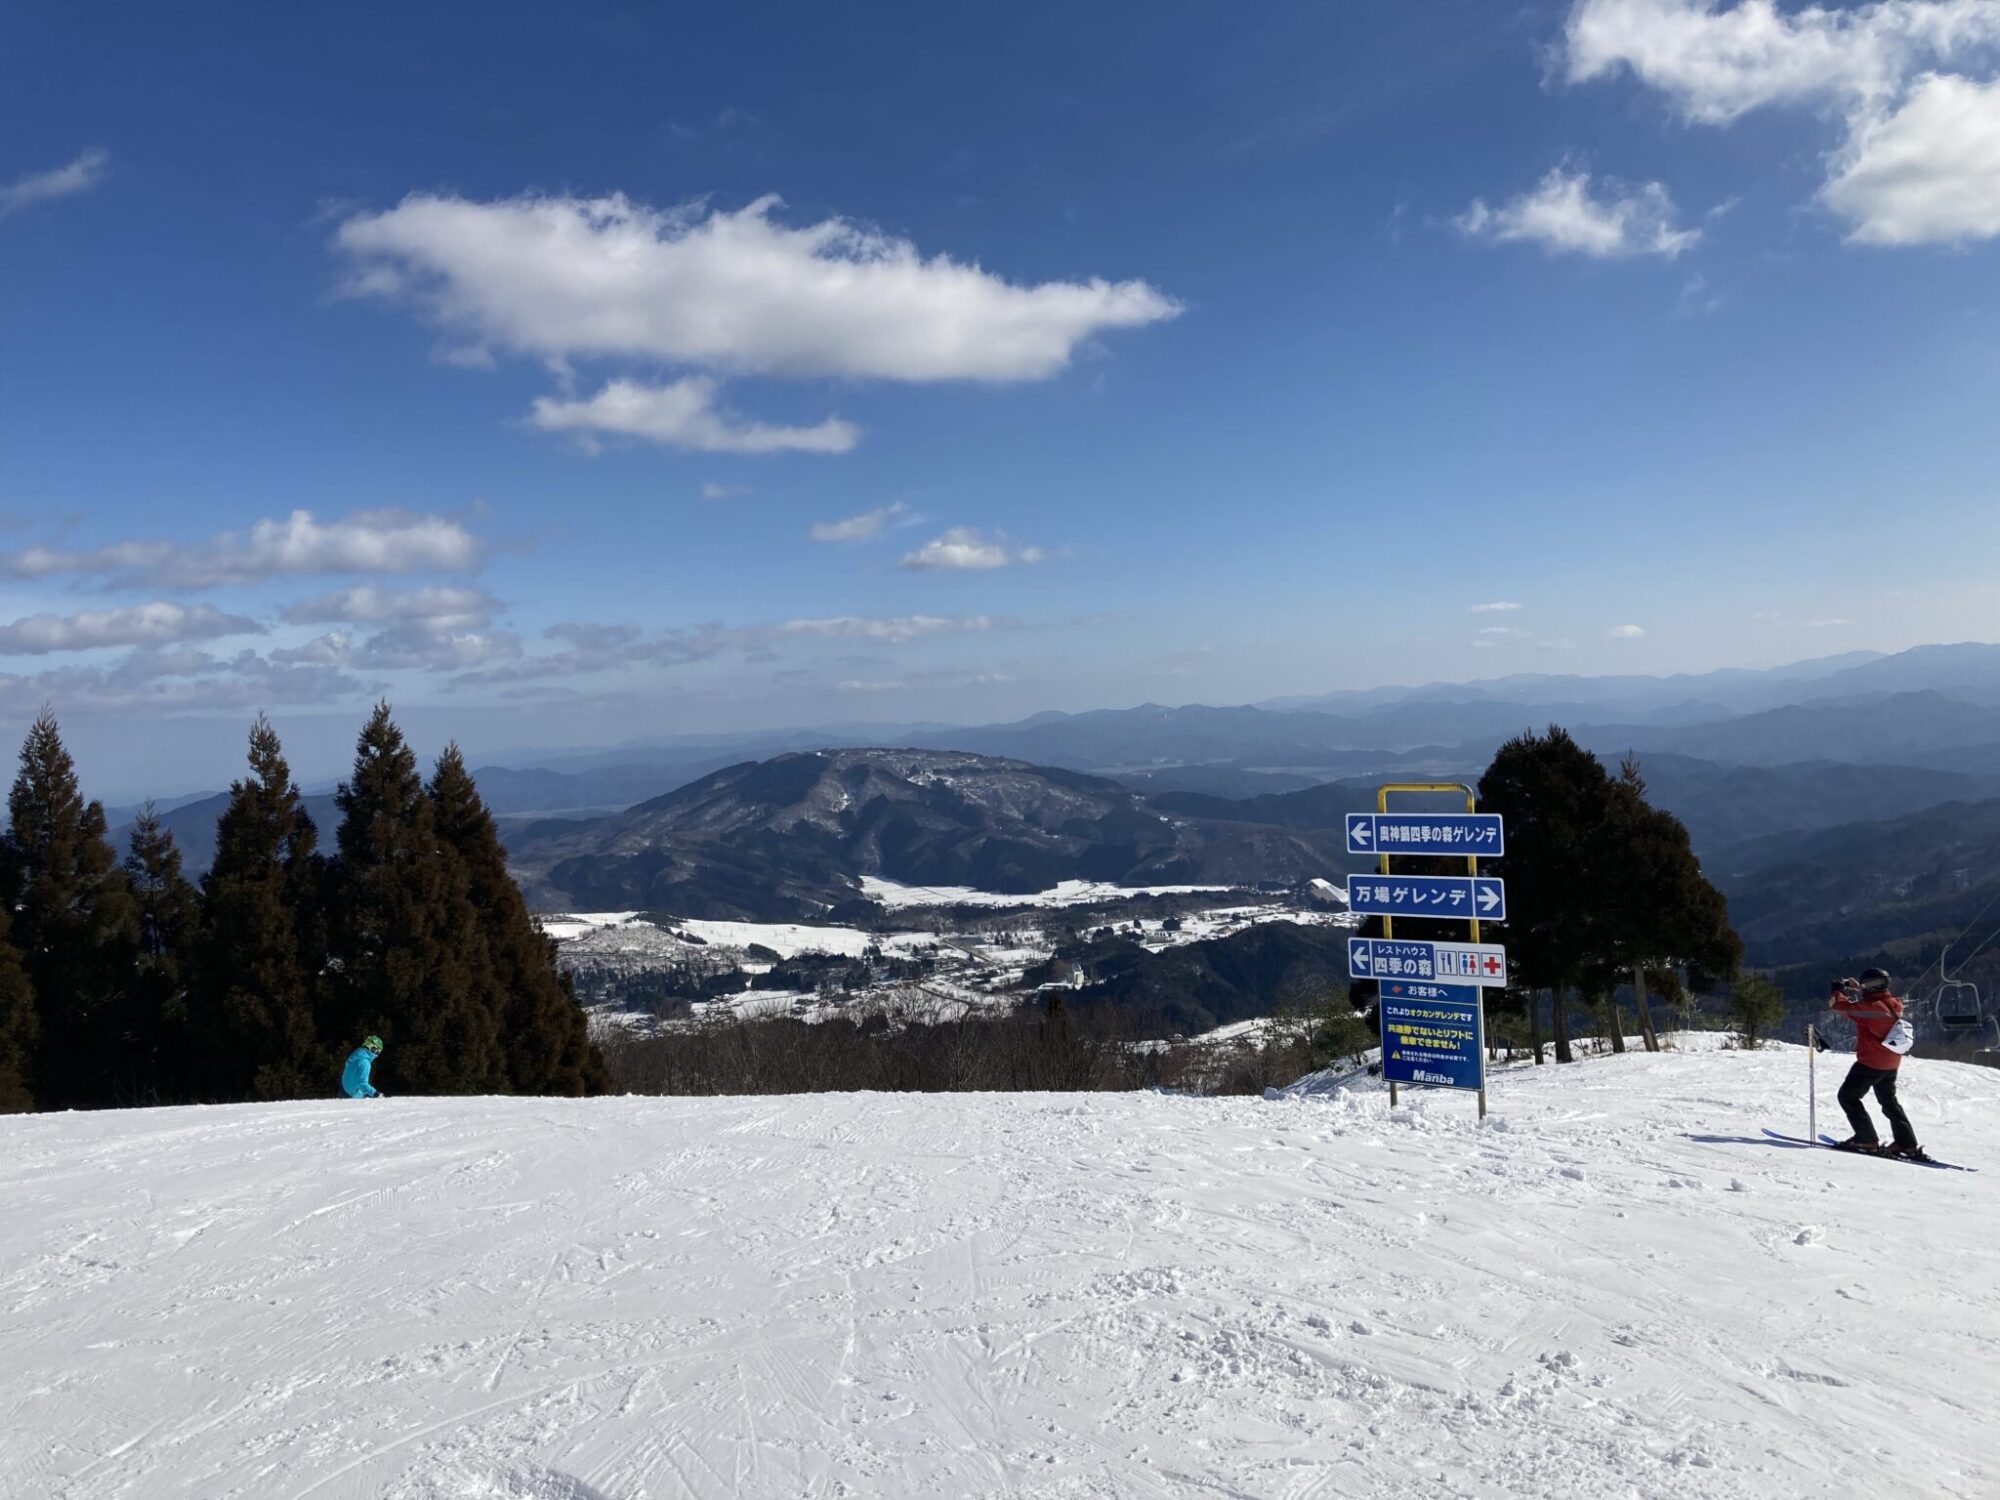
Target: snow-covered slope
point(1615, 1287)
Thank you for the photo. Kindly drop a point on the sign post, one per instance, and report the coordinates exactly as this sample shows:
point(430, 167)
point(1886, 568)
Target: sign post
point(1429, 995)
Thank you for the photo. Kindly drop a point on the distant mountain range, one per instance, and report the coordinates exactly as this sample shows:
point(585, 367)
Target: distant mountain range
point(791, 837)
point(1841, 803)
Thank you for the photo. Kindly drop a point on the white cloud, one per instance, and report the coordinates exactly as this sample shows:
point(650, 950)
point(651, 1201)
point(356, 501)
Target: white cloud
point(442, 608)
point(1718, 62)
point(1495, 607)
point(683, 414)
point(420, 647)
point(562, 277)
point(365, 542)
point(1562, 215)
point(334, 649)
point(428, 629)
point(712, 491)
point(1498, 631)
point(1926, 173)
point(1627, 632)
point(135, 625)
point(893, 629)
point(965, 548)
point(1921, 161)
point(78, 176)
point(858, 528)
point(179, 679)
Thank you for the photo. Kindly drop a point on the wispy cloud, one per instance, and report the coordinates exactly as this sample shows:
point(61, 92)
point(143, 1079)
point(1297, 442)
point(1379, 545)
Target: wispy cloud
point(1496, 607)
point(448, 608)
point(73, 177)
point(136, 625)
point(685, 414)
point(427, 629)
point(180, 679)
point(713, 491)
point(1627, 632)
point(965, 548)
point(894, 629)
point(1563, 215)
point(366, 542)
point(858, 528)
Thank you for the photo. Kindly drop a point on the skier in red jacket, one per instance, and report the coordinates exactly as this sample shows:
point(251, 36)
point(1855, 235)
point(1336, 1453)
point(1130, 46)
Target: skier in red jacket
point(1875, 1012)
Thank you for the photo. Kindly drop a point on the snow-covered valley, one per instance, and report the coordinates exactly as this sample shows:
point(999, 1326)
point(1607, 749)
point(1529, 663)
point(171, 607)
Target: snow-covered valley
point(928, 961)
point(1615, 1286)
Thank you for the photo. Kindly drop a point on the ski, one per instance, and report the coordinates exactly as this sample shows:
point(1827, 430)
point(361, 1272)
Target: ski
point(1828, 1143)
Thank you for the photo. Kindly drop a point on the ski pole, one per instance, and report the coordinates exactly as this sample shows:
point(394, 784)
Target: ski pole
point(1812, 1079)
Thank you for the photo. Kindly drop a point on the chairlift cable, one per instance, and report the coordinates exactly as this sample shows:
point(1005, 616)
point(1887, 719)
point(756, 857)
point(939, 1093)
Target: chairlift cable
point(1938, 962)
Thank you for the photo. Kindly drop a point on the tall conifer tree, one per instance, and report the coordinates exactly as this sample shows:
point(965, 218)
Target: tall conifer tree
point(168, 913)
point(75, 924)
point(1555, 798)
point(19, 1027)
point(411, 964)
point(543, 1031)
point(260, 949)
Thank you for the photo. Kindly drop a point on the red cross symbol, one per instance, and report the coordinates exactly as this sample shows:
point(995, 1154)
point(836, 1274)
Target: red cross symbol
point(1490, 964)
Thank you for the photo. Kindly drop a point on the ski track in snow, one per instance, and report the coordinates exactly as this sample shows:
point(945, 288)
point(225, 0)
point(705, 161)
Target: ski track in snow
point(1036, 1296)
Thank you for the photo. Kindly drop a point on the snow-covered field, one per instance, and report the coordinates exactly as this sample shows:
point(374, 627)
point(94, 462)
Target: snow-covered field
point(894, 896)
point(1615, 1287)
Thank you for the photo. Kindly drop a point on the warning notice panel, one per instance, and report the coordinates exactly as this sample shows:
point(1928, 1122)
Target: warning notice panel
point(1432, 1034)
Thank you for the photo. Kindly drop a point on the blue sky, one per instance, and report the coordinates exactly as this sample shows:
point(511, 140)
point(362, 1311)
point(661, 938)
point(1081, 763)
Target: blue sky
point(586, 373)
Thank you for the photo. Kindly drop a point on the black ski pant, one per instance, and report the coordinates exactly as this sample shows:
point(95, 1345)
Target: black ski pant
point(1860, 1079)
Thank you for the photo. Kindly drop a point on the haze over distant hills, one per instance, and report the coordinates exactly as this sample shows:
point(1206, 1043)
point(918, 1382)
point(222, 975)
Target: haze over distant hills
point(1842, 803)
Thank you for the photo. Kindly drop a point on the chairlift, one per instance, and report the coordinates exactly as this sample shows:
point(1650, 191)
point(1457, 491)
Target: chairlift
point(1958, 1005)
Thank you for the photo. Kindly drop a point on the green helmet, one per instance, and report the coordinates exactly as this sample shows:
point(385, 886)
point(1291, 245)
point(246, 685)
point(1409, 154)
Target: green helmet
point(372, 1043)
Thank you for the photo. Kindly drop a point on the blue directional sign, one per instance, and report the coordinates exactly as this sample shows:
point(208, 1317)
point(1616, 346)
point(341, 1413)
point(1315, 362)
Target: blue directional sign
point(1432, 1034)
point(1479, 834)
point(1457, 896)
point(1482, 964)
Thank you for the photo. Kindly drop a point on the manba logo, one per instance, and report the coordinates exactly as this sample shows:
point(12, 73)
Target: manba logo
point(1421, 1075)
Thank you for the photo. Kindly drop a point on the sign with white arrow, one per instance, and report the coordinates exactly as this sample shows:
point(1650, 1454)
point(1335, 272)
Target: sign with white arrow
point(1479, 834)
point(1482, 964)
point(1456, 896)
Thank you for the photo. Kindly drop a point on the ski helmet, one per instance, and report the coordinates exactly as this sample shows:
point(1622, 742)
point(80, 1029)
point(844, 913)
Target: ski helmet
point(1875, 979)
point(372, 1043)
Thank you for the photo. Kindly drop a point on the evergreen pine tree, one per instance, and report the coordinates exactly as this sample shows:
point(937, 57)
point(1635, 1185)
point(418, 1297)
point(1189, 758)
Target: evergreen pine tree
point(259, 951)
point(543, 1031)
point(169, 913)
point(75, 924)
point(409, 961)
point(1655, 909)
point(1555, 798)
point(18, 1028)
point(1756, 1005)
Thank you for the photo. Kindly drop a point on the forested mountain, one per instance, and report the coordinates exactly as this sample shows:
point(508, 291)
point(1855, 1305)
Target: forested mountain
point(792, 836)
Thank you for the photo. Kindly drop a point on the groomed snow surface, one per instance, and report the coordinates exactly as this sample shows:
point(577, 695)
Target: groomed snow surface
point(1615, 1287)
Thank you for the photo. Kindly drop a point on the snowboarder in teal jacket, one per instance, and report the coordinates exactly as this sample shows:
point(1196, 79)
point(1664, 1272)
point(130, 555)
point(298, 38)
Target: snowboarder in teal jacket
point(354, 1077)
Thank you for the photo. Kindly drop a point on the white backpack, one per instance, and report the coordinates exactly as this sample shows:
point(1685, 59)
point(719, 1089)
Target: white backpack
point(1900, 1038)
